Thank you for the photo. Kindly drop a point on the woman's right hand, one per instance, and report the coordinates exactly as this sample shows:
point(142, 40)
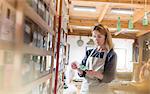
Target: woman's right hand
point(74, 65)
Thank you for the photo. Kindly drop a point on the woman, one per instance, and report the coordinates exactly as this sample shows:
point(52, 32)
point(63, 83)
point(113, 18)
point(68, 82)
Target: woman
point(100, 63)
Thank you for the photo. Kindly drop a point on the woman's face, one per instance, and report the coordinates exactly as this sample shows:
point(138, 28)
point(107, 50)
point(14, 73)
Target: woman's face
point(99, 39)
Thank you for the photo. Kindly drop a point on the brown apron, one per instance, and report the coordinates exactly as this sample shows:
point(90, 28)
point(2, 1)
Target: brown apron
point(91, 85)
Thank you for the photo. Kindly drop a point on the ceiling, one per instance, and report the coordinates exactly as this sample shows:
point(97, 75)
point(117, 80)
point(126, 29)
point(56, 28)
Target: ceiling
point(80, 22)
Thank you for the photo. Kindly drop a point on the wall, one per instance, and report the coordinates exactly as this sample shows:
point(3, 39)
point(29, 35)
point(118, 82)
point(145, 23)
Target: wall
point(77, 53)
point(124, 50)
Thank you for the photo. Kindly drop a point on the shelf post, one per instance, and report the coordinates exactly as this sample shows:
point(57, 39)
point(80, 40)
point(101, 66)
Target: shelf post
point(58, 45)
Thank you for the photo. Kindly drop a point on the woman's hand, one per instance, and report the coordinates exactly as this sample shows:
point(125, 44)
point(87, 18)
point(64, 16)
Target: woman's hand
point(90, 72)
point(93, 73)
point(74, 65)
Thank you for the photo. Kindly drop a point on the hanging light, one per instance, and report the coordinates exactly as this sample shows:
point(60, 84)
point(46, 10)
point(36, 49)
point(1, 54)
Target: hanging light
point(118, 24)
point(130, 22)
point(145, 18)
point(90, 42)
point(80, 42)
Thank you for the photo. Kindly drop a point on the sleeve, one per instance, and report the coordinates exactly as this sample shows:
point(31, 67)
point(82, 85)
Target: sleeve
point(84, 62)
point(110, 69)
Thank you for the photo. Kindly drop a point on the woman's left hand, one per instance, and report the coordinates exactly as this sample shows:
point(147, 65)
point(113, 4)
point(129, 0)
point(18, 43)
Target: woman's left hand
point(93, 73)
point(90, 73)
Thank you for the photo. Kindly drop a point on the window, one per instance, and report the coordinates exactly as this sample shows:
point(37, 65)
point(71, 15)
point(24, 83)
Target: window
point(124, 51)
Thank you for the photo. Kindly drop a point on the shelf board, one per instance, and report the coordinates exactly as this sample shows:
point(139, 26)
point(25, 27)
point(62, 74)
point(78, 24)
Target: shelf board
point(36, 51)
point(142, 33)
point(136, 33)
point(36, 82)
point(25, 89)
point(11, 2)
point(6, 45)
point(125, 32)
point(29, 12)
point(129, 34)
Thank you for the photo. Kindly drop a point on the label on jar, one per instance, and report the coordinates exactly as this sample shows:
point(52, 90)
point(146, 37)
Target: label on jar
point(34, 35)
point(6, 29)
point(39, 38)
point(27, 29)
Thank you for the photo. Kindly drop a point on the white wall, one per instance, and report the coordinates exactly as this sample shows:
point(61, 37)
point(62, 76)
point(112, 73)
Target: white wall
point(77, 53)
point(125, 45)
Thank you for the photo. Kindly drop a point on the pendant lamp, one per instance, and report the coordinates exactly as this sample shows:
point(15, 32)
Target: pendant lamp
point(118, 24)
point(130, 23)
point(90, 42)
point(145, 18)
point(80, 42)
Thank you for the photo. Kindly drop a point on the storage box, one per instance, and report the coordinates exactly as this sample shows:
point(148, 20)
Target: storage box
point(41, 8)
point(27, 32)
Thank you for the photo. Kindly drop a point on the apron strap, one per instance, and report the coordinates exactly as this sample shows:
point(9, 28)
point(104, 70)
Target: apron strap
point(87, 63)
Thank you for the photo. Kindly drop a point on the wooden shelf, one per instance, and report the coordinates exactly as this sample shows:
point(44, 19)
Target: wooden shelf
point(36, 83)
point(6, 45)
point(142, 33)
point(29, 12)
point(125, 32)
point(130, 34)
point(25, 89)
point(11, 2)
point(22, 10)
point(36, 51)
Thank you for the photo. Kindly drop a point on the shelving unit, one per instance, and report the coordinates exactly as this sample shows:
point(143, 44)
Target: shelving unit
point(6, 45)
point(61, 40)
point(29, 65)
point(36, 18)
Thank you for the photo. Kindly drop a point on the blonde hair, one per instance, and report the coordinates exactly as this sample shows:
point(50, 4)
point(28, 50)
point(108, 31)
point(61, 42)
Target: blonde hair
point(104, 31)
